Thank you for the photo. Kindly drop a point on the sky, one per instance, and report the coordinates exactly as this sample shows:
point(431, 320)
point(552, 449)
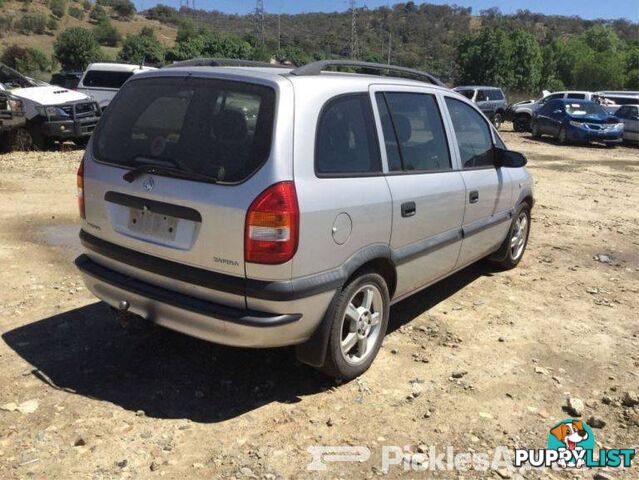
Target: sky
point(588, 9)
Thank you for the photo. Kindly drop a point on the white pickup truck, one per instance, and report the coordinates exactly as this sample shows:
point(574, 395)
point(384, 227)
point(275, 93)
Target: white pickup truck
point(51, 113)
point(101, 81)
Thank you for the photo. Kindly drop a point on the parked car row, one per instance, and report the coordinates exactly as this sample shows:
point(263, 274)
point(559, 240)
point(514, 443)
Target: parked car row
point(490, 100)
point(602, 110)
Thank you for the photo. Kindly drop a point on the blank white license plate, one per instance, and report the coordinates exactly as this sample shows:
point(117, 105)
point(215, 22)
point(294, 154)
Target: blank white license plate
point(152, 224)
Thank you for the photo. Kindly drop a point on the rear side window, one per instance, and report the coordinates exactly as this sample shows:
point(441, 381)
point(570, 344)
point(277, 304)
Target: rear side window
point(413, 132)
point(579, 96)
point(215, 128)
point(473, 135)
point(346, 139)
point(496, 95)
point(104, 79)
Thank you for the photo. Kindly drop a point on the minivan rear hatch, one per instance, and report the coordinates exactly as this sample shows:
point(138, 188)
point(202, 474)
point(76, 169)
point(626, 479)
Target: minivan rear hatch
point(174, 156)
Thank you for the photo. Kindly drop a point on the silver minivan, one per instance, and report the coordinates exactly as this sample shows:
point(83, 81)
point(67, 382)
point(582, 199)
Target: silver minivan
point(264, 207)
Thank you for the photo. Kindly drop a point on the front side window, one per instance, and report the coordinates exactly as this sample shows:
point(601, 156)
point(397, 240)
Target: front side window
point(219, 129)
point(473, 135)
point(579, 96)
point(346, 138)
point(496, 95)
point(413, 132)
point(481, 96)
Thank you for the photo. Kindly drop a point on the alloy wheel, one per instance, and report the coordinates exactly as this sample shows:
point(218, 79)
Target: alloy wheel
point(360, 329)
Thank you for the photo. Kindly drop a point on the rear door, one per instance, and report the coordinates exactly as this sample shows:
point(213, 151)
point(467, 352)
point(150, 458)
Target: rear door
point(217, 134)
point(427, 192)
point(488, 189)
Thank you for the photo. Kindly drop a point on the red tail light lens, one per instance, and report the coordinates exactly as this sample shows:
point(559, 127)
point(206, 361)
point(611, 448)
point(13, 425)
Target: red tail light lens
point(80, 182)
point(272, 225)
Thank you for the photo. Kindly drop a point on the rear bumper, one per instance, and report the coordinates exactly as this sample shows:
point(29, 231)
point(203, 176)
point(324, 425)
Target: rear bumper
point(190, 315)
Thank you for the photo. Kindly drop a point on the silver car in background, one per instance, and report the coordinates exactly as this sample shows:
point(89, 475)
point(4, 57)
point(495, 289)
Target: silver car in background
point(264, 207)
point(629, 116)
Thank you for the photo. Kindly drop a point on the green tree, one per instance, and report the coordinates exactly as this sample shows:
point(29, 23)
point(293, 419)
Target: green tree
point(143, 47)
point(106, 34)
point(195, 42)
point(75, 48)
point(485, 58)
point(124, 9)
point(526, 61)
point(26, 60)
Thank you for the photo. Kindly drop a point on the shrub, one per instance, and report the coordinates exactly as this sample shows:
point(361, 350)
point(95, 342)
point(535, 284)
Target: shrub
point(143, 47)
point(75, 48)
point(76, 12)
point(52, 24)
point(86, 4)
point(97, 13)
point(58, 7)
point(124, 9)
point(106, 34)
point(28, 61)
point(32, 23)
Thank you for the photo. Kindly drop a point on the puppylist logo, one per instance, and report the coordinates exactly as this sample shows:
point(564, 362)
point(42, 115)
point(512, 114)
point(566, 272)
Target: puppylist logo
point(571, 444)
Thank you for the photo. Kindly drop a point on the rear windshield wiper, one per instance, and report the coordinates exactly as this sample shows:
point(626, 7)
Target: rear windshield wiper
point(166, 172)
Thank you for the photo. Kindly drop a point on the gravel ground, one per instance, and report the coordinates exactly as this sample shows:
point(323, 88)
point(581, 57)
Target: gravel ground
point(478, 361)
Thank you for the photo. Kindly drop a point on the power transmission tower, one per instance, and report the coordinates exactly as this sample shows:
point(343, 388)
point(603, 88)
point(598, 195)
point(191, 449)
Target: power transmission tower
point(354, 39)
point(259, 21)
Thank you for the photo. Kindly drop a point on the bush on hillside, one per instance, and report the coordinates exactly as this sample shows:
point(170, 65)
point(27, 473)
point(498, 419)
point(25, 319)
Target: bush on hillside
point(106, 34)
point(142, 48)
point(29, 61)
point(75, 48)
point(97, 13)
point(76, 12)
point(32, 23)
point(124, 9)
point(58, 7)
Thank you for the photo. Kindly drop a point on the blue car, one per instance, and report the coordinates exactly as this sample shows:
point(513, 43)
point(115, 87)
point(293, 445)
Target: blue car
point(579, 121)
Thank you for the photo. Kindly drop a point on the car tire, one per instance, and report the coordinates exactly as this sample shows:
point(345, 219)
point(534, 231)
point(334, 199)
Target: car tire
point(359, 318)
point(512, 249)
point(534, 130)
point(521, 123)
point(562, 136)
point(498, 119)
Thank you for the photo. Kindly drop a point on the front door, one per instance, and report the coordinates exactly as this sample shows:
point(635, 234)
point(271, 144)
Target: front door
point(428, 194)
point(488, 189)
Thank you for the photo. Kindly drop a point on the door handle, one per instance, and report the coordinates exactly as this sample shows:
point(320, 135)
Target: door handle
point(408, 209)
point(473, 197)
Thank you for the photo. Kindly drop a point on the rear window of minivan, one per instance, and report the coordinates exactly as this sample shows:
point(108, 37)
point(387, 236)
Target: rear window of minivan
point(216, 128)
point(105, 79)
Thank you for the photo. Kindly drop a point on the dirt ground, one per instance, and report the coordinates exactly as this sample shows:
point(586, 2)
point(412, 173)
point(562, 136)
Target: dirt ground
point(481, 360)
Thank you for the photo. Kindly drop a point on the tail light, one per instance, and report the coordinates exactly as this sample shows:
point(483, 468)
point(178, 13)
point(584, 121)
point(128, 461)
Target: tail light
point(80, 182)
point(272, 225)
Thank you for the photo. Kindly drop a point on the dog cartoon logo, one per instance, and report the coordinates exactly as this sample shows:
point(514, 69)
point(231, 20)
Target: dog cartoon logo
point(572, 435)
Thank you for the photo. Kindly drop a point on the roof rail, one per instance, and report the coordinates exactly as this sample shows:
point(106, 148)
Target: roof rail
point(316, 68)
point(222, 62)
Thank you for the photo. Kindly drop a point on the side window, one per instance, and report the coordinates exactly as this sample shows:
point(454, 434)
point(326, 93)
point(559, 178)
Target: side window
point(554, 96)
point(415, 130)
point(496, 95)
point(481, 95)
point(579, 96)
point(346, 138)
point(473, 135)
point(623, 112)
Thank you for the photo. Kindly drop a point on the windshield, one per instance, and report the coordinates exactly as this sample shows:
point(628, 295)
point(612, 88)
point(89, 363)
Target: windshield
point(584, 108)
point(219, 129)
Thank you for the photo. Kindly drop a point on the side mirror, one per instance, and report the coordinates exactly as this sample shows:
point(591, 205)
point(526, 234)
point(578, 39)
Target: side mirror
point(555, 112)
point(509, 159)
